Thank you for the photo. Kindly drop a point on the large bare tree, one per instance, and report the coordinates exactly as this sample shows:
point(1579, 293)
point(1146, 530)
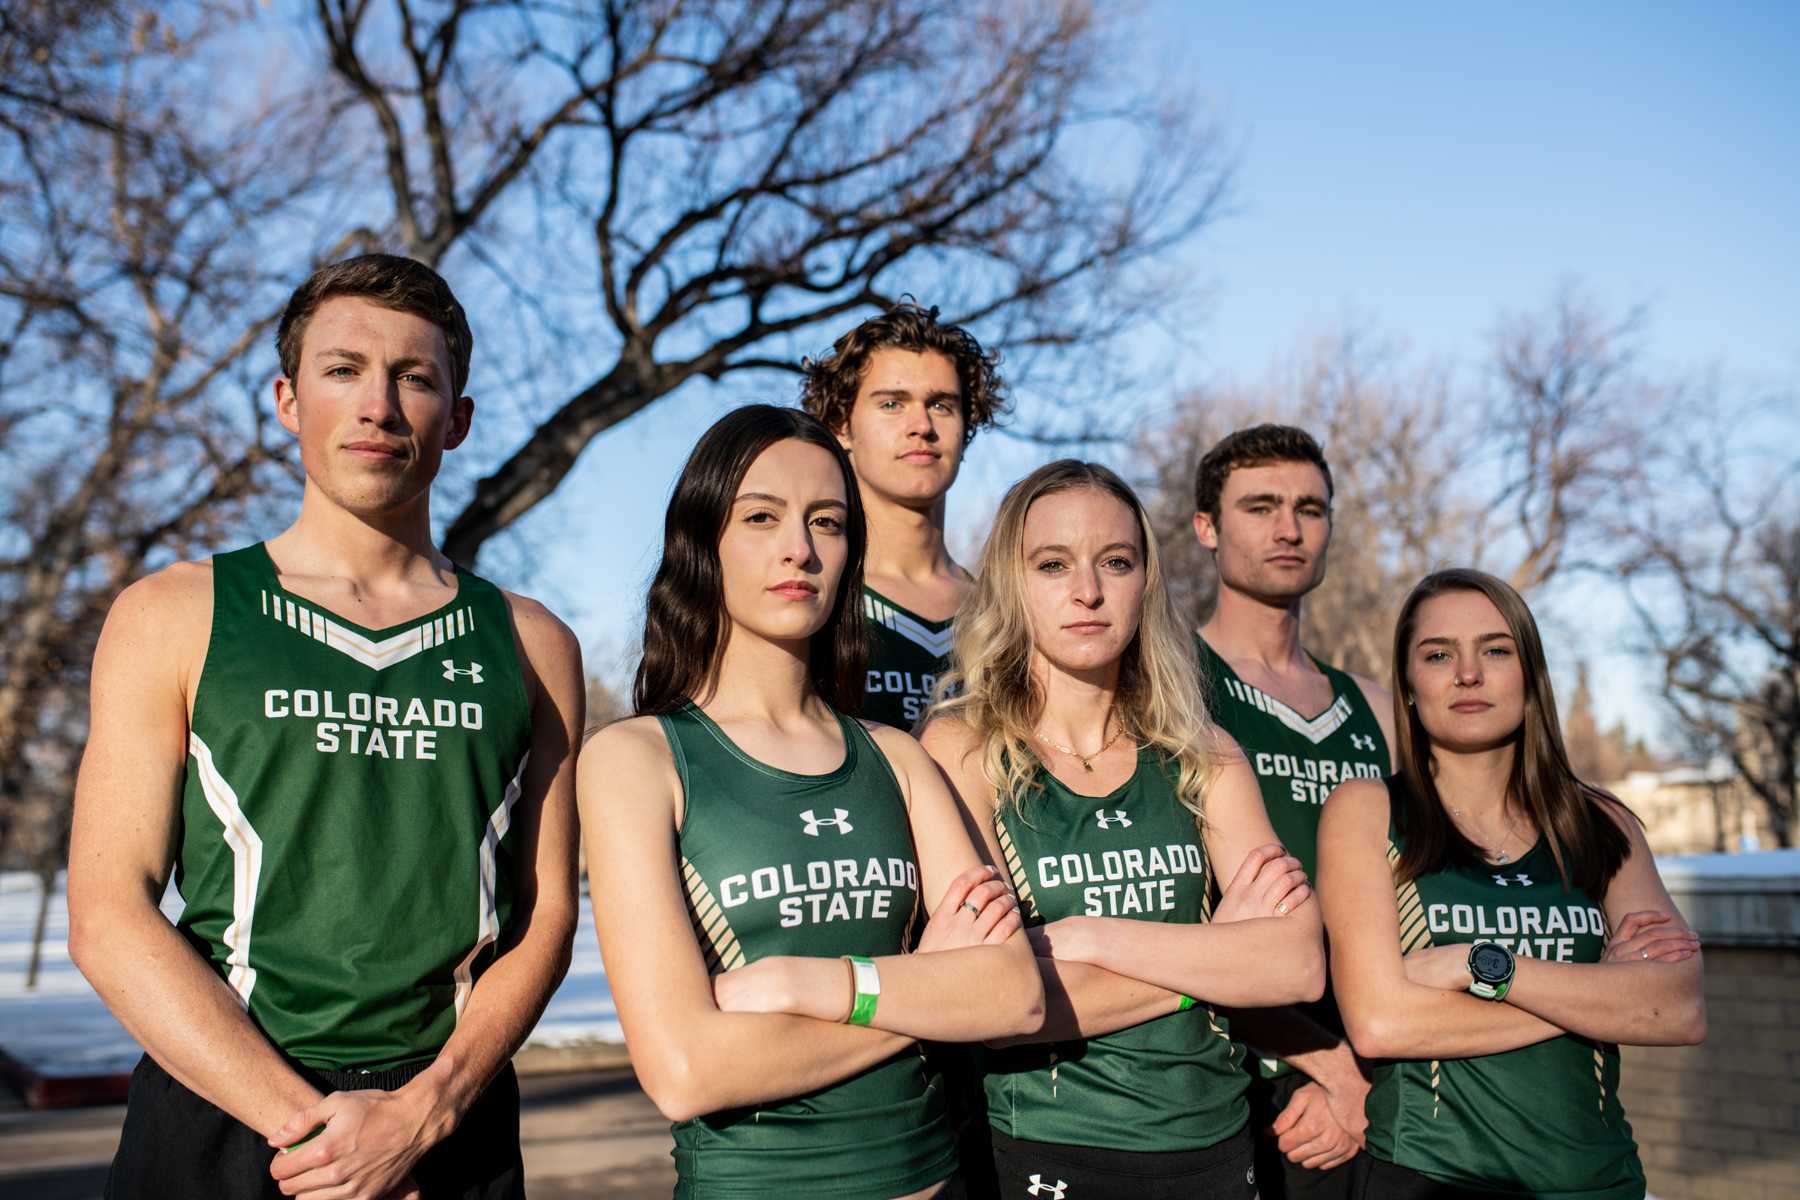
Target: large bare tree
point(728, 180)
point(631, 197)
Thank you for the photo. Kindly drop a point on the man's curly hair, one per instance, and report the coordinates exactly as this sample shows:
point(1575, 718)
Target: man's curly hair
point(829, 385)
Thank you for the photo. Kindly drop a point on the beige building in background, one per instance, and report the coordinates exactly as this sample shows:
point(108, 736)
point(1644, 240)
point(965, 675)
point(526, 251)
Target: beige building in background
point(1696, 810)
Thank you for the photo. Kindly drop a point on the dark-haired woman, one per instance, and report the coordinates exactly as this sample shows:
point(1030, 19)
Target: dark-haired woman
point(755, 856)
point(1497, 926)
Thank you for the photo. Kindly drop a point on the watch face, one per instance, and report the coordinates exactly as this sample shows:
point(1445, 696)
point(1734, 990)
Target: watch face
point(1488, 962)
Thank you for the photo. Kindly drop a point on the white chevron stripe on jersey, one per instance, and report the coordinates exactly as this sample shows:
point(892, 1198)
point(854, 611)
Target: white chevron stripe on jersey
point(246, 868)
point(434, 631)
point(1315, 730)
point(936, 643)
point(487, 917)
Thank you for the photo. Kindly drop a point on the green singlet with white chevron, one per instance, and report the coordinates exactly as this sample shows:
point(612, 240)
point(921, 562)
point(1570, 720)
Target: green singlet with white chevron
point(1170, 1083)
point(777, 863)
point(1543, 1121)
point(345, 857)
point(1297, 761)
point(907, 653)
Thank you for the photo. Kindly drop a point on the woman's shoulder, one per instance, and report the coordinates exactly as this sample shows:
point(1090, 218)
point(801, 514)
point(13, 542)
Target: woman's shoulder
point(628, 744)
point(1356, 806)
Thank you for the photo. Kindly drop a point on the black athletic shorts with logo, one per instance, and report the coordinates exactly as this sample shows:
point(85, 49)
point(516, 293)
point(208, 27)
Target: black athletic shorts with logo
point(177, 1146)
point(1047, 1171)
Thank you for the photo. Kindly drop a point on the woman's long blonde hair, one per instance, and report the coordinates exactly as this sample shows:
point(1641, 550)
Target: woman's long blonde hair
point(989, 685)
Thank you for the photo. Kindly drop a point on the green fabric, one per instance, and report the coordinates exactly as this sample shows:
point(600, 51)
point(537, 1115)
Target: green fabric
point(907, 653)
point(1297, 761)
point(1543, 1121)
point(819, 865)
point(346, 855)
point(1170, 1083)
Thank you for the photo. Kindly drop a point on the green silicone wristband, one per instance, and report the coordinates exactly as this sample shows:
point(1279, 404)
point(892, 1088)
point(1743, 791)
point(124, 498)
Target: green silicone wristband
point(1187, 1002)
point(862, 1009)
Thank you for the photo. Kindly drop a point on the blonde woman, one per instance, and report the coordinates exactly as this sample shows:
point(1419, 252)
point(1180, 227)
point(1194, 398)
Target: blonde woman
point(1078, 745)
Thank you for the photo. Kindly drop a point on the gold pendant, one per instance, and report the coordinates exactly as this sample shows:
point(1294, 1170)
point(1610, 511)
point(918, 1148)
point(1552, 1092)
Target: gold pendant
point(1087, 766)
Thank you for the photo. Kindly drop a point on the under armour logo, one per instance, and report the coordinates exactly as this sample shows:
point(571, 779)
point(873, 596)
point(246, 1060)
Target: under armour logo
point(1522, 879)
point(1118, 818)
point(451, 671)
point(1363, 741)
point(1040, 1188)
point(841, 820)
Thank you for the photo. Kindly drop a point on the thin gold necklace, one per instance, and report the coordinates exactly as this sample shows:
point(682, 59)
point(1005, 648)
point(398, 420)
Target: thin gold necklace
point(1086, 765)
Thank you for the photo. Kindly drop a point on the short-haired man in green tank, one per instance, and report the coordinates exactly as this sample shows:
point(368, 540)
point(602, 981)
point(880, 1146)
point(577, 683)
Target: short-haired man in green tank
point(358, 760)
point(906, 395)
point(1262, 500)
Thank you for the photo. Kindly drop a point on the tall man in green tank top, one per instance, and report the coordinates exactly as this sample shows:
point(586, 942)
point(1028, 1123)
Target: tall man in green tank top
point(1263, 508)
point(358, 761)
point(906, 395)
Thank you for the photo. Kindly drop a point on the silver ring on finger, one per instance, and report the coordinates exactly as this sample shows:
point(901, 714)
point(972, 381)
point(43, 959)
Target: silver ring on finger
point(1281, 909)
point(970, 905)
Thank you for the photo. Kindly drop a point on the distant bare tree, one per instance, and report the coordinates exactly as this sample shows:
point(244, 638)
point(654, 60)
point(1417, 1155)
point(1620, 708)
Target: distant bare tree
point(1533, 480)
point(1389, 436)
point(1715, 583)
point(135, 285)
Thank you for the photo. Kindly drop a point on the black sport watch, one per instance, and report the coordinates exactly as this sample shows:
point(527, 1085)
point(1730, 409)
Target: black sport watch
point(1490, 970)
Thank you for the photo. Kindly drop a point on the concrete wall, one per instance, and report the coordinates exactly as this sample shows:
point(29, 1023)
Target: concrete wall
point(1721, 1121)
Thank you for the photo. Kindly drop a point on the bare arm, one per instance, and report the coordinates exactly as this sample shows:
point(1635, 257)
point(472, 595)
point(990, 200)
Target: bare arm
point(1387, 1015)
point(1080, 1000)
point(127, 821)
point(1235, 959)
point(1653, 1000)
point(993, 977)
point(691, 1057)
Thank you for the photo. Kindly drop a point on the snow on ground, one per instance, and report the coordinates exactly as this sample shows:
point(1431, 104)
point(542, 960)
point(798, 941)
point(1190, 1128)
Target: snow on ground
point(61, 1028)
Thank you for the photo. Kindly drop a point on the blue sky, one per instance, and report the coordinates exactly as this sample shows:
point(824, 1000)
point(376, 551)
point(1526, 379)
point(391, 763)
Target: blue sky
point(1425, 168)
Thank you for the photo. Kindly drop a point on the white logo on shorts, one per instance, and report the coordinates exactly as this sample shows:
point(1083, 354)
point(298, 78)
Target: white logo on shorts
point(1040, 1188)
point(1118, 818)
point(451, 671)
point(1522, 879)
point(841, 820)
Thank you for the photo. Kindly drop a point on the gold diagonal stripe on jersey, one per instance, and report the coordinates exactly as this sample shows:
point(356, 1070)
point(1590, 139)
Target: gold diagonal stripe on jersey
point(1436, 1078)
point(1414, 932)
point(378, 655)
point(1231, 1047)
point(1021, 883)
point(1600, 1077)
point(716, 939)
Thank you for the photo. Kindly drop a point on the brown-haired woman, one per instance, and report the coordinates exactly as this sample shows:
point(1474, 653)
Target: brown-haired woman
point(1496, 925)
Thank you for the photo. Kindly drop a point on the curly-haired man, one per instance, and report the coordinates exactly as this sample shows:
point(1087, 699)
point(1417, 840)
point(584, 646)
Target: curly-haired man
point(906, 394)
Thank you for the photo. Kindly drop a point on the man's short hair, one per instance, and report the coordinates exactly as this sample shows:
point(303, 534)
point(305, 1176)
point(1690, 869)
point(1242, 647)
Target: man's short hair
point(828, 389)
point(1257, 446)
point(391, 281)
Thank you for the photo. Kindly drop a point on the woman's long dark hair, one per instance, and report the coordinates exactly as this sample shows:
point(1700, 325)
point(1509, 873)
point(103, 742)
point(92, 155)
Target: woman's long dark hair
point(1587, 844)
point(684, 618)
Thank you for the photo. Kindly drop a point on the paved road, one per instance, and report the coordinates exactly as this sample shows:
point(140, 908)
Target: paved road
point(586, 1134)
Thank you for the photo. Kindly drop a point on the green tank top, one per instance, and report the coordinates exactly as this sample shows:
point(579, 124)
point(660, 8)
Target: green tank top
point(345, 854)
point(1297, 761)
point(1170, 1083)
point(1542, 1121)
point(820, 865)
point(907, 653)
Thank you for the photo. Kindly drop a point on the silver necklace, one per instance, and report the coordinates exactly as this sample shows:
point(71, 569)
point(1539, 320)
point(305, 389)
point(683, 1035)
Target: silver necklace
point(1498, 857)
